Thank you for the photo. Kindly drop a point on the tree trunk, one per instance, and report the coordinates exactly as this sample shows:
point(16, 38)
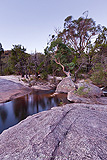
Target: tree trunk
point(75, 77)
point(75, 74)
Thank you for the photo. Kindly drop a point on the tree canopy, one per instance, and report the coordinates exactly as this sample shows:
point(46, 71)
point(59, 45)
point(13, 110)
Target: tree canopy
point(1, 52)
point(19, 58)
point(79, 49)
point(71, 47)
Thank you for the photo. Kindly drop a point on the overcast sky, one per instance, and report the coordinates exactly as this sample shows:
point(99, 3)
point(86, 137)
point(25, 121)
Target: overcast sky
point(29, 22)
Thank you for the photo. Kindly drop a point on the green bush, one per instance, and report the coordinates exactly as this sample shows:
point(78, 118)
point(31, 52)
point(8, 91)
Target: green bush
point(44, 75)
point(99, 78)
point(81, 91)
point(7, 71)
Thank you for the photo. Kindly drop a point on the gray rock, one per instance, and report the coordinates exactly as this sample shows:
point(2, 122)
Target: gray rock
point(72, 97)
point(65, 85)
point(86, 93)
point(10, 90)
point(89, 90)
point(74, 131)
point(32, 83)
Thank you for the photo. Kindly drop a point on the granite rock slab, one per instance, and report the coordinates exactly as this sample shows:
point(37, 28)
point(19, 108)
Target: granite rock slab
point(10, 90)
point(70, 132)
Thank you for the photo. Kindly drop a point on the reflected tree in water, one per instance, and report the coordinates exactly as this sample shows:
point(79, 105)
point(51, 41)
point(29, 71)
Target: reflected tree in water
point(34, 103)
point(3, 114)
point(20, 108)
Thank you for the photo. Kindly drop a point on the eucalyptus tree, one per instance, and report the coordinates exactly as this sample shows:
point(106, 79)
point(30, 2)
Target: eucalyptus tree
point(78, 34)
point(75, 42)
point(100, 48)
point(1, 52)
point(99, 58)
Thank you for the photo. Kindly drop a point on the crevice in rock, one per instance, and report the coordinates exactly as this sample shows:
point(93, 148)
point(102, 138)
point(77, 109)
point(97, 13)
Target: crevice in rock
point(59, 142)
point(56, 125)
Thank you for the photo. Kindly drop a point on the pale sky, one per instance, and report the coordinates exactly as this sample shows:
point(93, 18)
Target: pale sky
point(29, 22)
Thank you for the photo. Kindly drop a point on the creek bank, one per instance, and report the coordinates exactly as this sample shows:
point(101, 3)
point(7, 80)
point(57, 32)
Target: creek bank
point(74, 131)
point(12, 87)
point(10, 90)
point(81, 92)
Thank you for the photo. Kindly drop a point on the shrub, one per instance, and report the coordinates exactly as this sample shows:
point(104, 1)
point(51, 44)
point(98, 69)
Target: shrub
point(7, 71)
point(81, 91)
point(99, 78)
point(44, 75)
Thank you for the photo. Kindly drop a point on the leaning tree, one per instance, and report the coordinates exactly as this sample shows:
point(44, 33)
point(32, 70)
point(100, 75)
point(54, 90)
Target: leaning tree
point(62, 55)
point(77, 36)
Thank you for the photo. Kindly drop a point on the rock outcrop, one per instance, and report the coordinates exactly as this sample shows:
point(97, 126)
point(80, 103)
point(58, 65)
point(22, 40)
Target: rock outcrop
point(86, 93)
point(65, 86)
point(89, 90)
point(74, 131)
point(72, 97)
point(10, 90)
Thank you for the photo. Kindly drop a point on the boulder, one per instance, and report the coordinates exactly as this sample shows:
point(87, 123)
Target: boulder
point(88, 90)
point(86, 93)
point(32, 83)
point(74, 98)
point(65, 85)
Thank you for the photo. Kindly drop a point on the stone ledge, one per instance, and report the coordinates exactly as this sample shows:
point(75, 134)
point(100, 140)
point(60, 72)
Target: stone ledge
point(73, 131)
point(10, 90)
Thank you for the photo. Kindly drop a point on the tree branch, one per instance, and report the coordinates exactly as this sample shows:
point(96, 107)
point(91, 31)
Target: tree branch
point(67, 73)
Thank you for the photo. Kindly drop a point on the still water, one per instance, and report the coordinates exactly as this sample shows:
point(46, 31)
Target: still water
point(14, 111)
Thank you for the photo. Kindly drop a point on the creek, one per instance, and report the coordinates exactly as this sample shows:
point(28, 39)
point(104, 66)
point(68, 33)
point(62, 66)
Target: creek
point(13, 112)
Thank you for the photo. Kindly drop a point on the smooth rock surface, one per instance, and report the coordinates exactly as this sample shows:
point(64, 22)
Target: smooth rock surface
point(10, 90)
point(37, 85)
point(70, 132)
point(65, 86)
point(89, 90)
point(72, 97)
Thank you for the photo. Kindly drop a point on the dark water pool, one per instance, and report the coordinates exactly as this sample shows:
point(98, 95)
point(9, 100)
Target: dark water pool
point(14, 111)
point(105, 91)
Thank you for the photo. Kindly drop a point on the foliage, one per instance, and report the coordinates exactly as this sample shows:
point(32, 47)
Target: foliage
point(78, 33)
point(18, 59)
point(61, 54)
point(44, 75)
point(40, 66)
point(81, 91)
point(36, 63)
point(99, 59)
point(24, 80)
point(99, 78)
point(99, 75)
point(70, 48)
point(1, 52)
point(7, 71)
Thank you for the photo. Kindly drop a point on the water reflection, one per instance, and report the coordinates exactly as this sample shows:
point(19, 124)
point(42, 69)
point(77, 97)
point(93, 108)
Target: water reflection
point(14, 111)
point(20, 107)
point(3, 114)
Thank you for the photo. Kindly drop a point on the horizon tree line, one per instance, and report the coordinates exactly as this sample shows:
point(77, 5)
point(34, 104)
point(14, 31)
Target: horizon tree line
point(80, 48)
